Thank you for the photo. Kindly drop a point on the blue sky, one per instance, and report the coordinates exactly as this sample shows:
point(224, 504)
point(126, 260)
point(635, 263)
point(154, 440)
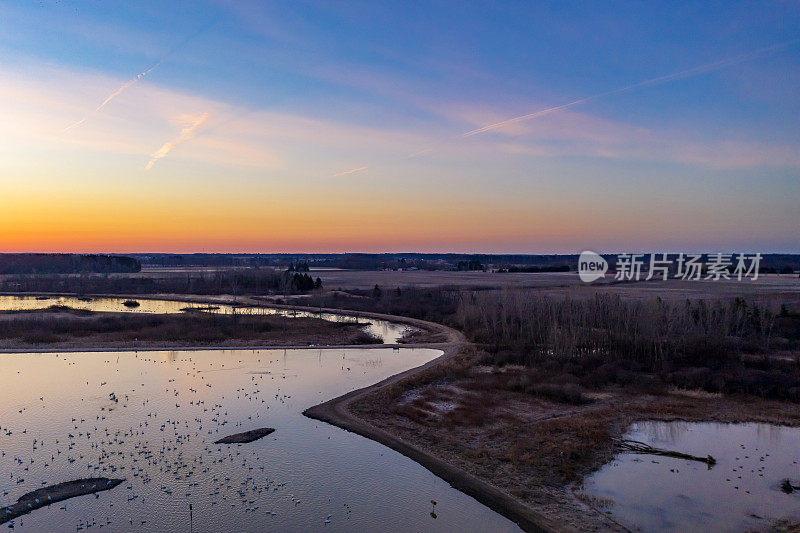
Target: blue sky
point(315, 108)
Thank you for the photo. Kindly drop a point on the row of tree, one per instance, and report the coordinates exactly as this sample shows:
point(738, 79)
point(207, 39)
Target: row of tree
point(303, 282)
point(299, 266)
point(67, 264)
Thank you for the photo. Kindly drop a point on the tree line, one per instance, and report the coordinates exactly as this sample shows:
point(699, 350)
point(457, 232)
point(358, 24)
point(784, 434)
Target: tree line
point(67, 264)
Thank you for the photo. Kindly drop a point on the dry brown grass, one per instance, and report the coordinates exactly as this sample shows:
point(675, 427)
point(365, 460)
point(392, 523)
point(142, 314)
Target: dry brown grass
point(59, 327)
point(537, 407)
point(530, 446)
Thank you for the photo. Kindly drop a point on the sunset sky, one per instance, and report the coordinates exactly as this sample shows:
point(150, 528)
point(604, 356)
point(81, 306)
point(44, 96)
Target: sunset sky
point(384, 126)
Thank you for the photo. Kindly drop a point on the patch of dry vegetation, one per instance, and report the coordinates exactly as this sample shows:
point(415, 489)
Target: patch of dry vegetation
point(63, 327)
point(535, 447)
point(570, 344)
point(551, 382)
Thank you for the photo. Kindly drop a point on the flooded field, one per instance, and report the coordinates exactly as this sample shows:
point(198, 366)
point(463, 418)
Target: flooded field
point(152, 419)
point(741, 492)
point(388, 331)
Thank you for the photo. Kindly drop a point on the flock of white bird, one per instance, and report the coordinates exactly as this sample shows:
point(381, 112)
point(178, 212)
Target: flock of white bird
point(169, 447)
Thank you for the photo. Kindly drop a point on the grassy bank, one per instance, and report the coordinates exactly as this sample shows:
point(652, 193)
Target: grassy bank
point(59, 327)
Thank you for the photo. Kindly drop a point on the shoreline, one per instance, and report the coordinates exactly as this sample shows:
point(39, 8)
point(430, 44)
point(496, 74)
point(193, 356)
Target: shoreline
point(335, 411)
point(347, 412)
point(226, 347)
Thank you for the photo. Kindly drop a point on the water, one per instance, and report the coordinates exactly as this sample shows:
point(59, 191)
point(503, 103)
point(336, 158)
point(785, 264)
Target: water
point(390, 332)
point(174, 404)
point(741, 492)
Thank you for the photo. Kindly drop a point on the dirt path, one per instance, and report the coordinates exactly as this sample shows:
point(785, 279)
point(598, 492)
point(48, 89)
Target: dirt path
point(337, 413)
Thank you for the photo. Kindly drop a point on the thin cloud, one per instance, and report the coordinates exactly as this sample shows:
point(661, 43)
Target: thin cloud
point(188, 133)
point(353, 171)
point(112, 96)
point(646, 83)
point(141, 75)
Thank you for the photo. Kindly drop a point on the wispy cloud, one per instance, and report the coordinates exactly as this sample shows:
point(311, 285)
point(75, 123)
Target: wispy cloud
point(352, 171)
point(139, 76)
point(112, 96)
point(193, 123)
point(702, 69)
point(35, 104)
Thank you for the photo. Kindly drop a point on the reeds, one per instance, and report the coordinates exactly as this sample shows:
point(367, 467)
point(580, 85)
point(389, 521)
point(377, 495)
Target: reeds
point(43, 328)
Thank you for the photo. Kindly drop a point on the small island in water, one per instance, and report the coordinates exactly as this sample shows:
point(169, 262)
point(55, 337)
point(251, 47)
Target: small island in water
point(246, 436)
point(55, 493)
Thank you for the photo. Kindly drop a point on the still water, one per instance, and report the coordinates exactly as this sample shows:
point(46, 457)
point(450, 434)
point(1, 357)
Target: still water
point(58, 422)
point(740, 493)
point(388, 331)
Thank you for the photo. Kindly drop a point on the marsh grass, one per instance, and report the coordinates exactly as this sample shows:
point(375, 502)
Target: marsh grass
point(66, 325)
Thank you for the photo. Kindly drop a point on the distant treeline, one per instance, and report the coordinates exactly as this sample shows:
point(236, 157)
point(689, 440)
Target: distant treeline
point(770, 263)
point(238, 281)
point(214, 260)
point(67, 264)
point(300, 266)
point(534, 269)
point(472, 264)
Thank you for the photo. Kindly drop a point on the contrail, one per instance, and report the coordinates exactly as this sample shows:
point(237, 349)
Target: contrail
point(646, 83)
point(112, 96)
point(121, 89)
point(353, 171)
point(141, 75)
point(187, 133)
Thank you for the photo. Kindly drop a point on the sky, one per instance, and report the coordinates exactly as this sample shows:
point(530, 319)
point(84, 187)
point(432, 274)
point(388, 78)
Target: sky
point(496, 127)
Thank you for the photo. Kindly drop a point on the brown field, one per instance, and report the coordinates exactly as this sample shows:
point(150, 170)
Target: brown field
point(358, 279)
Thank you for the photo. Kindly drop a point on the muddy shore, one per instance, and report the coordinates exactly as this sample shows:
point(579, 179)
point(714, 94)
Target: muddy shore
point(337, 412)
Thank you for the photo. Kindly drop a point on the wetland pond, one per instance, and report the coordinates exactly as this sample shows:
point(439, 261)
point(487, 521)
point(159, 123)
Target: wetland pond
point(151, 418)
point(390, 332)
point(741, 492)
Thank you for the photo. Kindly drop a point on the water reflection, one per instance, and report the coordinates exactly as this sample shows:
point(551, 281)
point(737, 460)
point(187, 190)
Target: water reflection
point(741, 492)
point(59, 421)
point(390, 332)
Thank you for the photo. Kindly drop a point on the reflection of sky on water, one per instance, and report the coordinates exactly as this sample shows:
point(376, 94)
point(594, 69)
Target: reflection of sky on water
point(389, 332)
point(741, 491)
point(159, 437)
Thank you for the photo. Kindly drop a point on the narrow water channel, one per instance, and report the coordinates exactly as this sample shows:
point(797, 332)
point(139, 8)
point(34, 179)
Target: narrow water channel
point(388, 331)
